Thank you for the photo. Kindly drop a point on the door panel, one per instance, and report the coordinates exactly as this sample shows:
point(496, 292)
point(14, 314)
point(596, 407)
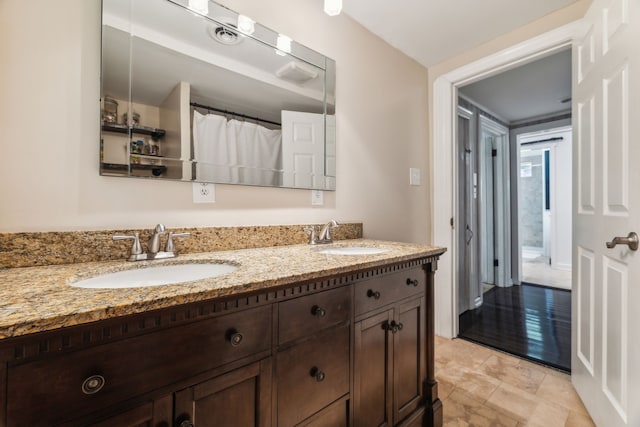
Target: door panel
point(606, 356)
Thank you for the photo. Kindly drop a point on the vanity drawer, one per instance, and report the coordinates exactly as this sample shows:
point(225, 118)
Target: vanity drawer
point(312, 375)
point(377, 292)
point(312, 313)
point(45, 392)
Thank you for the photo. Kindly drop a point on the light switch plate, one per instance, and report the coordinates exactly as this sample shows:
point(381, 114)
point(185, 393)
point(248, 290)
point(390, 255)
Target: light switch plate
point(317, 197)
point(204, 192)
point(414, 176)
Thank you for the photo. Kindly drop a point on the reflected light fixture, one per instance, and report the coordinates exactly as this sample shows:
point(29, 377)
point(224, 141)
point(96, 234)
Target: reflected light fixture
point(199, 6)
point(283, 45)
point(246, 25)
point(332, 7)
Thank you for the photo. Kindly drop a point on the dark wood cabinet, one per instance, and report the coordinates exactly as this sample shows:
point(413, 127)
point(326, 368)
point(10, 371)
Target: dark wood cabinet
point(350, 350)
point(389, 354)
point(373, 368)
point(158, 413)
point(241, 397)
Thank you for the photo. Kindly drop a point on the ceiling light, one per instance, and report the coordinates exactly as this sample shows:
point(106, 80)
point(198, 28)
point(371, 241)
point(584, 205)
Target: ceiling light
point(332, 7)
point(199, 6)
point(246, 25)
point(283, 45)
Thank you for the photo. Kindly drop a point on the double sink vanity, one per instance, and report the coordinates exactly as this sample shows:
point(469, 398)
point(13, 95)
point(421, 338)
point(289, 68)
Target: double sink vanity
point(311, 335)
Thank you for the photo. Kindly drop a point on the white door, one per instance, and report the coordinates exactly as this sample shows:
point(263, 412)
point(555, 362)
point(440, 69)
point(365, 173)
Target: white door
point(303, 149)
point(606, 301)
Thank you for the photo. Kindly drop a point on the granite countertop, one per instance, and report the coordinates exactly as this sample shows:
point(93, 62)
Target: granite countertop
point(37, 299)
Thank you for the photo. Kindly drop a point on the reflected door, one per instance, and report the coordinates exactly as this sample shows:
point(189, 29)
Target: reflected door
point(303, 149)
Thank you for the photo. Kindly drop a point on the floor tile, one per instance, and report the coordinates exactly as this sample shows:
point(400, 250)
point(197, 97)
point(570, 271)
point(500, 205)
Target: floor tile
point(510, 371)
point(560, 390)
point(513, 402)
point(473, 382)
point(461, 409)
point(497, 391)
point(578, 419)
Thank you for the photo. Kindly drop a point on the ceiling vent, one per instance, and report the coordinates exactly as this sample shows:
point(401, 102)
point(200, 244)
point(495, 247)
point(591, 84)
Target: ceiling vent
point(296, 72)
point(225, 34)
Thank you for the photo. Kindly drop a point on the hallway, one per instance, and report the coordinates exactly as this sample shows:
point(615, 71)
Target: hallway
point(527, 320)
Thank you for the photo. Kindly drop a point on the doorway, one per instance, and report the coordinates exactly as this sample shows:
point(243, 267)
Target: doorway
point(508, 169)
point(544, 207)
point(484, 205)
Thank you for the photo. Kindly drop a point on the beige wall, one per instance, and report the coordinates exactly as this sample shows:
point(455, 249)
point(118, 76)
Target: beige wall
point(535, 28)
point(49, 131)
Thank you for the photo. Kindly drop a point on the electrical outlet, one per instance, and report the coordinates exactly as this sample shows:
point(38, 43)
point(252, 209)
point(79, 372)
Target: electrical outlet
point(204, 192)
point(317, 197)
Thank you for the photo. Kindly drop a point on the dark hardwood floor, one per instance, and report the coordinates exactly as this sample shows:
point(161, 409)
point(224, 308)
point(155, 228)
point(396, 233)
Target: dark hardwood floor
point(531, 321)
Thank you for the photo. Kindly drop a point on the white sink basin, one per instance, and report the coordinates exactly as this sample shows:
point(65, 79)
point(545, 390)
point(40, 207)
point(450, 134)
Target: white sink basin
point(352, 250)
point(155, 276)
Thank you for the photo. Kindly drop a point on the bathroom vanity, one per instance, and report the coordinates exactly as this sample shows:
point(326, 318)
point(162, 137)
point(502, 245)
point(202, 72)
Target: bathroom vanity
point(292, 337)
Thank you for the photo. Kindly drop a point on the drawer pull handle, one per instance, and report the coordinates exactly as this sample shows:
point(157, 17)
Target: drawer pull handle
point(93, 384)
point(318, 311)
point(317, 374)
point(235, 337)
point(413, 282)
point(373, 294)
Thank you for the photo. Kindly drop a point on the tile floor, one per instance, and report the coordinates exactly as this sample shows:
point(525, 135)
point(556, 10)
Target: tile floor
point(538, 271)
point(480, 387)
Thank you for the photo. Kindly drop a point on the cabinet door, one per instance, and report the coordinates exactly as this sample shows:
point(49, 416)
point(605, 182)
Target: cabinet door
point(152, 414)
point(408, 361)
point(239, 398)
point(373, 354)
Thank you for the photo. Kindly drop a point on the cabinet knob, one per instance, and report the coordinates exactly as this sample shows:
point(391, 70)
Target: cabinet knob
point(373, 294)
point(392, 326)
point(93, 384)
point(411, 282)
point(235, 337)
point(316, 373)
point(395, 327)
point(318, 311)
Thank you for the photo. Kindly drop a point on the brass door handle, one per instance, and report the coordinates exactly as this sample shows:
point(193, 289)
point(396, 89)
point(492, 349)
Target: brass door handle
point(631, 240)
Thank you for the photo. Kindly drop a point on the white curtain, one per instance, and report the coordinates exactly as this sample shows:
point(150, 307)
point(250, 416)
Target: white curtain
point(236, 151)
point(213, 152)
point(259, 152)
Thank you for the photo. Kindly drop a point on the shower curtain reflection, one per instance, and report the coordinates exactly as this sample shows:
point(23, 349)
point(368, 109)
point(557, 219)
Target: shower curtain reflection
point(236, 152)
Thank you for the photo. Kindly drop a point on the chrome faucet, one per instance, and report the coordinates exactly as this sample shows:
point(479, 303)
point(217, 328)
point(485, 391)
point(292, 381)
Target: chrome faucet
point(153, 245)
point(325, 233)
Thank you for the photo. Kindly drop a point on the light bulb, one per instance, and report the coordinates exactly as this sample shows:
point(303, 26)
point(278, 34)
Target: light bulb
point(199, 6)
point(332, 7)
point(246, 25)
point(283, 44)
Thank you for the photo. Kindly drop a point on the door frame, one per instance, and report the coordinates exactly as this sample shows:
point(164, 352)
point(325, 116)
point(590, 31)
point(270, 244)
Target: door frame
point(444, 173)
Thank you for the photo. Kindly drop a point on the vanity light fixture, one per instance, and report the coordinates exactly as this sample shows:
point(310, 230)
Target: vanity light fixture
point(332, 7)
point(283, 45)
point(199, 6)
point(246, 25)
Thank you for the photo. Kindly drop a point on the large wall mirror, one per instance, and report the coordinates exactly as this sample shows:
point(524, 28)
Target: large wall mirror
point(193, 91)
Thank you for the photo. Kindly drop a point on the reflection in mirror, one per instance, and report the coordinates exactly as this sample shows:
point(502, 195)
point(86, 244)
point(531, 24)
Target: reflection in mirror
point(193, 91)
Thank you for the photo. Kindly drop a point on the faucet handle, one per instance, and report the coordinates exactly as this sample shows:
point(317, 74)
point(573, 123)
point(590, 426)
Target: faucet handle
point(312, 234)
point(136, 249)
point(170, 246)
